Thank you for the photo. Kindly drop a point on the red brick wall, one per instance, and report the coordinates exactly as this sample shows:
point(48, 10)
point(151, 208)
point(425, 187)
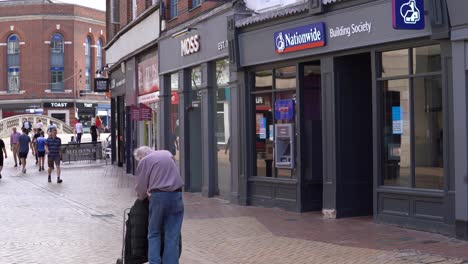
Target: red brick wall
point(35, 54)
point(185, 11)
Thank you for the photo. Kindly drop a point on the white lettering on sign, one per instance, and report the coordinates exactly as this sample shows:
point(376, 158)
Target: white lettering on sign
point(88, 105)
point(222, 45)
point(190, 45)
point(347, 31)
point(59, 104)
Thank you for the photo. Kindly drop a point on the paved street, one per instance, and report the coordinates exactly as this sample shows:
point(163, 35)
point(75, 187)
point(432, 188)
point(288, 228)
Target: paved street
point(80, 221)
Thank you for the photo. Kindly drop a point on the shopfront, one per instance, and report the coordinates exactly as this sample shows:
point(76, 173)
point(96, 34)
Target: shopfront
point(63, 111)
point(148, 96)
point(346, 113)
point(86, 112)
point(118, 124)
point(195, 102)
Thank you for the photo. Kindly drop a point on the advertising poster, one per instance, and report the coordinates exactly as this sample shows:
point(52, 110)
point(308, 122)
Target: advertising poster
point(397, 120)
point(263, 128)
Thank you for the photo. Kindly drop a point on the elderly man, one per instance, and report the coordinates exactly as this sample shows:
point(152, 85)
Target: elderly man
point(158, 178)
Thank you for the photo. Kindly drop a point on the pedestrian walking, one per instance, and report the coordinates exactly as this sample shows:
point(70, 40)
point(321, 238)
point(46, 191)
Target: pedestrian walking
point(36, 134)
point(94, 133)
point(54, 153)
point(24, 145)
point(2, 148)
point(14, 143)
point(98, 126)
point(78, 131)
point(26, 125)
point(40, 143)
point(39, 124)
point(158, 179)
point(50, 126)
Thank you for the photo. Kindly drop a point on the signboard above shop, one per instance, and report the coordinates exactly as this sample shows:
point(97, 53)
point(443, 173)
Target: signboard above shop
point(408, 14)
point(101, 85)
point(300, 38)
point(148, 76)
point(58, 105)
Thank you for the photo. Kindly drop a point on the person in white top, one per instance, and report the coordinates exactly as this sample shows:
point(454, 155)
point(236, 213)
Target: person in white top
point(52, 125)
point(39, 124)
point(78, 131)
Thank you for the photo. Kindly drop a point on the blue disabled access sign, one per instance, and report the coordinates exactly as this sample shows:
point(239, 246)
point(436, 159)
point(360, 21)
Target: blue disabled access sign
point(408, 14)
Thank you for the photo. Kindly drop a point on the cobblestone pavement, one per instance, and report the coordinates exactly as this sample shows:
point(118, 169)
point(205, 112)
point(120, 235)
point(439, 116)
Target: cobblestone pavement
point(80, 221)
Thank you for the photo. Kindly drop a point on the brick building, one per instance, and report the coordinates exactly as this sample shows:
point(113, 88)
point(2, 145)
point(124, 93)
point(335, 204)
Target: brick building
point(51, 52)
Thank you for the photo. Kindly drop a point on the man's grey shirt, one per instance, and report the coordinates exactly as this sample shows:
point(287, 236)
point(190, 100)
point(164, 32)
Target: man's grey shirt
point(157, 171)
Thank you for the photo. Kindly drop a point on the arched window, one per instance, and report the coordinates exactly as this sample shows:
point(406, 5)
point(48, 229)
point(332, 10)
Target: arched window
point(88, 63)
point(57, 62)
point(99, 55)
point(13, 63)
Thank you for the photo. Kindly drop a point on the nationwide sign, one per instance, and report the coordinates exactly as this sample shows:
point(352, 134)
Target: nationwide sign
point(300, 38)
point(408, 14)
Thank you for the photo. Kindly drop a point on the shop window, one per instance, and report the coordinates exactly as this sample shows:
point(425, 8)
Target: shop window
point(223, 128)
point(88, 63)
point(174, 120)
point(196, 82)
point(13, 63)
point(271, 86)
point(413, 122)
point(395, 63)
point(57, 62)
point(173, 8)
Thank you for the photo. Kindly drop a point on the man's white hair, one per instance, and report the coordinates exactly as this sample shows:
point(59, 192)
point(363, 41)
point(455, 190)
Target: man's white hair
point(141, 152)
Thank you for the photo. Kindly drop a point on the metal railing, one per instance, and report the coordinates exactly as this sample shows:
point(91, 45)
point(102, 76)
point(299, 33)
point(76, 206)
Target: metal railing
point(7, 124)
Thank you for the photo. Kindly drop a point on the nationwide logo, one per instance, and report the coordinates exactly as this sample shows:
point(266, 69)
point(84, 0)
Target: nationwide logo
point(408, 14)
point(300, 38)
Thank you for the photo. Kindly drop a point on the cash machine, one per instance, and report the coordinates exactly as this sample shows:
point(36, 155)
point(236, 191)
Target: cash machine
point(284, 146)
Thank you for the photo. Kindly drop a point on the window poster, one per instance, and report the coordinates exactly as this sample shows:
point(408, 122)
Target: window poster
point(270, 127)
point(397, 120)
point(263, 128)
point(258, 117)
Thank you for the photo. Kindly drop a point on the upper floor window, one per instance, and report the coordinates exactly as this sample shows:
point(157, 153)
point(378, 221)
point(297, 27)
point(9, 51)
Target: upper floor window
point(13, 63)
point(173, 8)
point(115, 11)
point(13, 44)
point(57, 62)
point(196, 3)
point(134, 9)
point(88, 63)
point(99, 54)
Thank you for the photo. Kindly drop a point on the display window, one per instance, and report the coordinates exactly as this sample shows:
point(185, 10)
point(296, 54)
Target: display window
point(271, 87)
point(413, 118)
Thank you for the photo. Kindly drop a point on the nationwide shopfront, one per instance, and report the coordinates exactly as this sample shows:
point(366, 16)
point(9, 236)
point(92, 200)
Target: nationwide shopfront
point(347, 112)
point(196, 102)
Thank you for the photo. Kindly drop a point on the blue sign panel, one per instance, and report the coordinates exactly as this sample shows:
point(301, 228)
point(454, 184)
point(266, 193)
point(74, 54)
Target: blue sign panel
point(397, 120)
point(300, 38)
point(284, 109)
point(408, 14)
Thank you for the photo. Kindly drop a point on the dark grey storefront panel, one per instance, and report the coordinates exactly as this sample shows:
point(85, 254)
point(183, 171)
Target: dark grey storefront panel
point(212, 33)
point(258, 46)
point(273, 193)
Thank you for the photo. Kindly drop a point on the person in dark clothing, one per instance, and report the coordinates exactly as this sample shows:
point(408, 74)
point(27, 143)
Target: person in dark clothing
point(94, 132)
point(2, 148)
point(24, 144)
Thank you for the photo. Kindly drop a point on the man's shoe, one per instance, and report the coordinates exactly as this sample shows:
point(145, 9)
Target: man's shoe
point(59, 180)
point(40, 168)
point(0, 176)
point(50, 180)
point(20, 163)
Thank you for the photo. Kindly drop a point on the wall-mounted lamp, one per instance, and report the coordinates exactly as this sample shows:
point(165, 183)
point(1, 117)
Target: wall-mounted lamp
point(182, 32)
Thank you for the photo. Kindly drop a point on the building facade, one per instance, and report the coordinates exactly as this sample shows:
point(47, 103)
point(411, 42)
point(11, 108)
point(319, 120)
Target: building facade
point(51, 52)
point(132, 67)
point(346, 108)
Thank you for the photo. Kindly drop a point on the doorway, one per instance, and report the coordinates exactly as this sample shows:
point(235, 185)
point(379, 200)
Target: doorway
point(60, 116)
point(311, 146)
point(354, 154)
